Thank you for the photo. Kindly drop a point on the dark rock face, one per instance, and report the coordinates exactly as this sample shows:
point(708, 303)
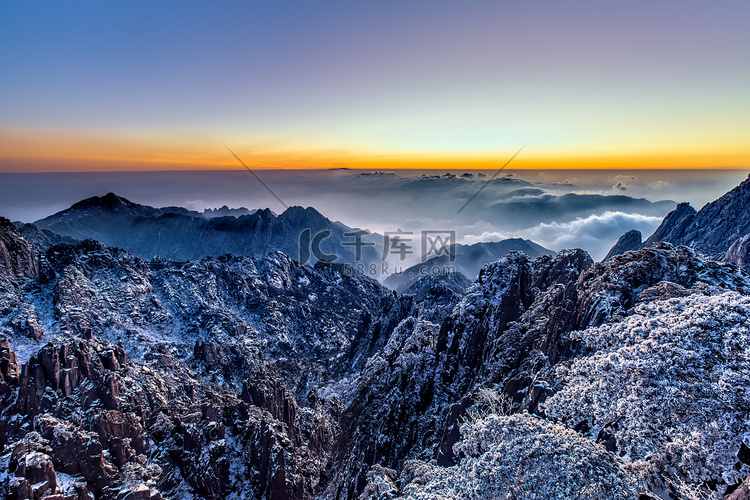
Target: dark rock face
point(675, 226)
point(713, 229)
point(19, 269)
point(32, 467)
point(418, 387)
point(27, 323)
point(632, 240)
point(154, 428)
point(42, 239)
point(17, 257)
point(522, 345)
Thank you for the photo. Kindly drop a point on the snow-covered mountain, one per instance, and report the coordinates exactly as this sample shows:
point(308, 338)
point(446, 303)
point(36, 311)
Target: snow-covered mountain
point(233, 377)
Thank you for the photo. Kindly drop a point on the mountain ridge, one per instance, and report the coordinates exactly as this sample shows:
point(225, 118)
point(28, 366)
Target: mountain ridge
point(181, 234)
point(231, 377)
point(712, 229)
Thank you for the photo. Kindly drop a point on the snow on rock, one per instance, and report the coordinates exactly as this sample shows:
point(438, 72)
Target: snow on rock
point(520, 457)
point(667, 389)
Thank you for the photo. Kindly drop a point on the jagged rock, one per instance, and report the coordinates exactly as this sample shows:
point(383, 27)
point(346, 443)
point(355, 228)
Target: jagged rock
point(739, 254)
point(208, 352)
point(78, 452)
point(42, 239)
point(270, 394)
point(8, 363)
point(413, 389)
point(27, 324)
point(612, 287)
point(381, 484)
point(500, 294)
point(713, 229)
point(674, 227)
point(279, 308)
point(519, 350)
point(632, 240)
point(88, 432)
point(17, 256)
point(30, 464)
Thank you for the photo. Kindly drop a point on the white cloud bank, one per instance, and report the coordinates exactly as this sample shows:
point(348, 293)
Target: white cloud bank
point(596, 233)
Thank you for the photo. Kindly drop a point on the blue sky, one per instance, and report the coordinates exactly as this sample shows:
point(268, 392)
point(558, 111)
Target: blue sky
point(309, 83)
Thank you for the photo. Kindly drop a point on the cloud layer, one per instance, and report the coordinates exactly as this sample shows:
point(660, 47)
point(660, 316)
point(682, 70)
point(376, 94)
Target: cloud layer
point(555, 209)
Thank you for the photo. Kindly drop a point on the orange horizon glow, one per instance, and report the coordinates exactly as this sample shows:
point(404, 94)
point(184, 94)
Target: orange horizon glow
point(48, 151)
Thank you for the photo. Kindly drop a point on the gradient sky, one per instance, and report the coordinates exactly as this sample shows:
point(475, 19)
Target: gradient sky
point(105, 85)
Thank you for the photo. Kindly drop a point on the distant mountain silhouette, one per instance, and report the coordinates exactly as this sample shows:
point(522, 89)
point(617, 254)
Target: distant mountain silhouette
point(181, 234)
point(469, 259)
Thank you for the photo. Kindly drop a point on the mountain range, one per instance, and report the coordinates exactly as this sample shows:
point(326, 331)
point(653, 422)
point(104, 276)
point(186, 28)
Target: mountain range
point(180, 234)
point(255, 376)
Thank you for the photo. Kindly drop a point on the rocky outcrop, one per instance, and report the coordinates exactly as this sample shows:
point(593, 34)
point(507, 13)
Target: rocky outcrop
point(230, 310)
point(19, 271)
point(131, 430)
point(30, 466)
point(27, 324)
point(417, 388)
point(675, 226)
point(42, 239)
point(17, 256)
point(613, 287)
point(519, 352)
point(632, 240)
point(713, 229)
point(739, 253)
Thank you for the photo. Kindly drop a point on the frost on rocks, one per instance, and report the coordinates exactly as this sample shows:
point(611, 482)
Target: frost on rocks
point(520, 457)
point(667, 390)
point(238, 377)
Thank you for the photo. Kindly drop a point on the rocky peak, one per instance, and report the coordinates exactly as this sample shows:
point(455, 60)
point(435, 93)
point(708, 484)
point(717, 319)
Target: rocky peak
point(674, 226)
point(109, 201)
point(612, 287)
point(17, 256)
point(632, 240)
point(712, 229)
